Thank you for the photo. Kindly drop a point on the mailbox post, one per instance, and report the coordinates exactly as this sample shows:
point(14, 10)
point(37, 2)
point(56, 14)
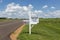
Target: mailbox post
point(32, 20)
point(29, 22)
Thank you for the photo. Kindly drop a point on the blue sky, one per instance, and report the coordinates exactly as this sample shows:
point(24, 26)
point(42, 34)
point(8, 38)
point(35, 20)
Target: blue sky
point(44, 5)
point(36, 3)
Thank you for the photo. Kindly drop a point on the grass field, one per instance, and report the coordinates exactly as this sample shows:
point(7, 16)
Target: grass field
point(46, 29)
point(7, 20)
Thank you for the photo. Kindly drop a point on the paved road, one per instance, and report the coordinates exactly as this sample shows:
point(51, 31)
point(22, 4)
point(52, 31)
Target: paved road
point(6, 28)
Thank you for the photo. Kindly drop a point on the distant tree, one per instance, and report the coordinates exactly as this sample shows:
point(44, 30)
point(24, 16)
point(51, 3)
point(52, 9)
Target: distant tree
point(3, 18)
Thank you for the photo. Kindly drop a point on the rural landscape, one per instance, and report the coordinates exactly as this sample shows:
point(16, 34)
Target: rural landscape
point(29, 19)
point(46, 29)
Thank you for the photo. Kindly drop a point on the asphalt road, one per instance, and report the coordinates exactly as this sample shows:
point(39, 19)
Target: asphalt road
point(6, 28)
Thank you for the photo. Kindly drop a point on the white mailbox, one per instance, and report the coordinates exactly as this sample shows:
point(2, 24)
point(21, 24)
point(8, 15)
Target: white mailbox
point(34, 20)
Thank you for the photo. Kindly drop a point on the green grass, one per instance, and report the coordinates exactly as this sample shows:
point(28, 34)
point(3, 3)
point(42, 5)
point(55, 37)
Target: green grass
point(5, 20)
point(46, 29)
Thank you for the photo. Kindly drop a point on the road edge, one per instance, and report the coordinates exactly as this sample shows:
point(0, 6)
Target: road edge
point(14, 35)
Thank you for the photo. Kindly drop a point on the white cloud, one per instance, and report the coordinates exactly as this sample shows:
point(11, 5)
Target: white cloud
point(17, 11)
point(38, 11)
point(30, 6)
point(55, 13)
point(45, 6)
point(53, 7)
point(13, 7)
point(25, 8)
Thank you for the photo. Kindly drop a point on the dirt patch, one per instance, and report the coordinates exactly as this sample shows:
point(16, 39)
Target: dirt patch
point(15, 34)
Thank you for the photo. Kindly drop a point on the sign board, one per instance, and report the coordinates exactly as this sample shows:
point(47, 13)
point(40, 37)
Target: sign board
point(34, 20)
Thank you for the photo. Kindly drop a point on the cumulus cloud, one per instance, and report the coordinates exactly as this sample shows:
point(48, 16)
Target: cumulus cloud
point(45, 6)
point(17, 11)
point(55, 13)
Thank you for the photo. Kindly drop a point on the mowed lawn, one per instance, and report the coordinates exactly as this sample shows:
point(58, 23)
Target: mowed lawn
point(46, 29)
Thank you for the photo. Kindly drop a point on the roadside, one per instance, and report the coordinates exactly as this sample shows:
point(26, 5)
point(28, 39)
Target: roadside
point(15, 34)
point(6, 28)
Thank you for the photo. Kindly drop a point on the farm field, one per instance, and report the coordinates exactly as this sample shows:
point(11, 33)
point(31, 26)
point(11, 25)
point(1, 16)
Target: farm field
point(46, 29)
point(7, 20)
